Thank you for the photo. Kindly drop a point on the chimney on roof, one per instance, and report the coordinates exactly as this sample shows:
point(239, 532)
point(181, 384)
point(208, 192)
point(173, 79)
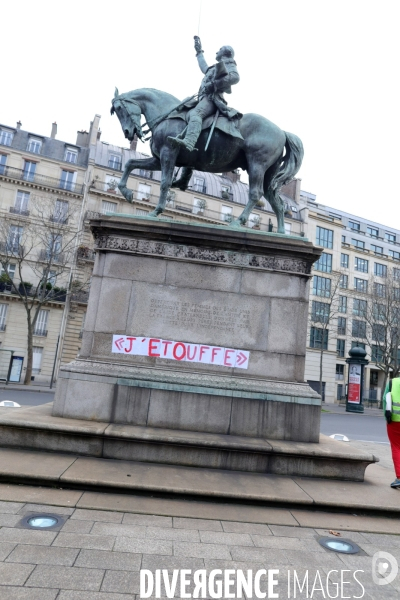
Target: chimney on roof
point(234, 176)
point(53, 130)
point(19, 125)
point(133, 145)
point(98, 135)
point(82, 138)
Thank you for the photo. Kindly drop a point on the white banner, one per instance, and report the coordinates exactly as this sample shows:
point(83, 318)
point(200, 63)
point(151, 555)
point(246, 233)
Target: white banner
point(185, 351)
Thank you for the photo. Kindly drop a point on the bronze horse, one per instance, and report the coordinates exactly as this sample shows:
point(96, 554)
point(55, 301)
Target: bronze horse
point(271, 157)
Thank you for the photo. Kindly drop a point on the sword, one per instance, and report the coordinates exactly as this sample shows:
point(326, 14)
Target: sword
point(212, 129)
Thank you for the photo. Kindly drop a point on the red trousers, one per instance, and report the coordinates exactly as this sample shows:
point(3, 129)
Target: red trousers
point(393, 430)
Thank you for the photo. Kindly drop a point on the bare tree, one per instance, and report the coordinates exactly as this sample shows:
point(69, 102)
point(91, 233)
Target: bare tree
point(323, 315)
point(41, 244)
point(379, 308)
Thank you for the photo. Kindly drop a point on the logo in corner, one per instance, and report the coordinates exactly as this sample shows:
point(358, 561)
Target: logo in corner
point(384, 568)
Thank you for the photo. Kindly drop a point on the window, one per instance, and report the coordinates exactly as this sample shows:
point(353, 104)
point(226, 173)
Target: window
point(199, 204)
point(344, 282)
point(359, 307)
point(320, 312)
point(54, 245)
point(378, 332)
point(3, 160)
point(339, 376)
point(3, 316)
point(340, 347)
point(324, 263)
point(376, 354)
point(34, 146)
point(144, 191)
point(60, 214)
point(14, 238)
point(6, 137)
point(41, 323)
point(360, 285)
point(321, 286)
point(361, 264)
point(108, 208)
point(372, 232)
point(380, 290)
point(358, 243)
point(141, 212)
point(198, 185)
point(396, 273)
point(324, 237)
point(376, 249)
point(36, 359)
point(115, 162)
point(396, 293)
point(83, 325)
point(21, 202)
point(71, 155)
point(354, 225)
point(29, 170)
point(343, 239)
point(355, 344)
point(147, 174)
point(341, 326)
point(288, 228)
point(359, 329)
point(380, 270)
point(378, 311)
point(344, 261)
point(319, 338)
point(51, 277)
point(226, 213)
point(10, 270)
point(394, 255)
point(342, 304)
point(67, 180)
point(390, 237)
point(226, 192)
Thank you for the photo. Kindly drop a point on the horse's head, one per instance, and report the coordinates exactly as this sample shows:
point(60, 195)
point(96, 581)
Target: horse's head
point(128, 112)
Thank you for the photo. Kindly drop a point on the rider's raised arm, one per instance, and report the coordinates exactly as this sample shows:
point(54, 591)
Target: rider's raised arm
point(200, 55)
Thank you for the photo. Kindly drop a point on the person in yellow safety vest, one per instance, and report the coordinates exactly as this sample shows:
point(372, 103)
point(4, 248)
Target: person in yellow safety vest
point(391, 410)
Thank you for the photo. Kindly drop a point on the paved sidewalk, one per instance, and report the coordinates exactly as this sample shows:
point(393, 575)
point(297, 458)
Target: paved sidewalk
point(97, 554)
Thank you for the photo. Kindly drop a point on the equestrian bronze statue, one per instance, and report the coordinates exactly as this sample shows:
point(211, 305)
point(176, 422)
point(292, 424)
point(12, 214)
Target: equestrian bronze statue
point(203, 133)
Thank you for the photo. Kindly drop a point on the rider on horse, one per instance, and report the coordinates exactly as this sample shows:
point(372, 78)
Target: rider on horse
point(218, 79)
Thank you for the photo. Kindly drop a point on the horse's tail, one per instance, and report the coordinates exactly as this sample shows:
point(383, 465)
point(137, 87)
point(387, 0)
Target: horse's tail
point(290, 163)
point(280, 173)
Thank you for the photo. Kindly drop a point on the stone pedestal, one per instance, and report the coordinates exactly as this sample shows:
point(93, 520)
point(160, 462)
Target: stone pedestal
point(210, 285)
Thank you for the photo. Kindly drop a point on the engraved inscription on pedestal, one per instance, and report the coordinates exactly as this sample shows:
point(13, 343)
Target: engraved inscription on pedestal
point(199, 316)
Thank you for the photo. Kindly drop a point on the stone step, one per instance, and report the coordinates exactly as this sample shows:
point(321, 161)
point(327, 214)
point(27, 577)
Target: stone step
point(36, 428)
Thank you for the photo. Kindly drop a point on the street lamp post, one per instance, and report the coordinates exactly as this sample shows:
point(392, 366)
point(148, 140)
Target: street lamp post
point(355, 379)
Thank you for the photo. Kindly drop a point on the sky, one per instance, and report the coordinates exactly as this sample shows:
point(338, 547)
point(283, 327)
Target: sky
point(322, 69)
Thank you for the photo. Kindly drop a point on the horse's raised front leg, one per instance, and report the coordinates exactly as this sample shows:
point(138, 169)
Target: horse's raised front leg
point(148, 164)
point(256, 182)
point(168, 158)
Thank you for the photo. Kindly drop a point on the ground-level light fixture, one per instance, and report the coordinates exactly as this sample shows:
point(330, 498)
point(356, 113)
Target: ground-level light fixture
point(340, 437)
point(343, 546)
point(10, 404)
point(42, 521)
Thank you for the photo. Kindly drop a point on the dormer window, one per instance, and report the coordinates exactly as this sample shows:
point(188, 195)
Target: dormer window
point(6, 137)
point(34, 146)
point(71, 155)
point(115, 162)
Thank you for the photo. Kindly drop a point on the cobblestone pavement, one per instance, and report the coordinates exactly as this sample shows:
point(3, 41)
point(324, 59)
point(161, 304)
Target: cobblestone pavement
point(97, 555)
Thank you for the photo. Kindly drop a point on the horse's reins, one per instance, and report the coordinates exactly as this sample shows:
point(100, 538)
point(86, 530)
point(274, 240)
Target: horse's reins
point(154, 122)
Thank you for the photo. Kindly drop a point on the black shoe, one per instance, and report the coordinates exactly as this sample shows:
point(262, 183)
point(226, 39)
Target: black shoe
point(395, 484)
point(176, 142)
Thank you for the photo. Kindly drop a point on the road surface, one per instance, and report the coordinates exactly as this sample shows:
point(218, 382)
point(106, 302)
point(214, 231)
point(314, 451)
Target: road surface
point(367, 428)
point(26, 398)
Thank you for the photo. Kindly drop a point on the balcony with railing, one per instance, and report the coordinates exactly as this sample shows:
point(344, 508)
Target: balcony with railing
point(40, 332)
point(85, 253)
point(55, 257)
point(58, 219)
point(81, 297)
point(11, 248)
point(41, 180)
point(16, 210)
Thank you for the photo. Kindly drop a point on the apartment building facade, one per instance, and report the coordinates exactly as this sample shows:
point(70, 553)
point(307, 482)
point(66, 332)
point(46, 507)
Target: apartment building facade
point(88, 172)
